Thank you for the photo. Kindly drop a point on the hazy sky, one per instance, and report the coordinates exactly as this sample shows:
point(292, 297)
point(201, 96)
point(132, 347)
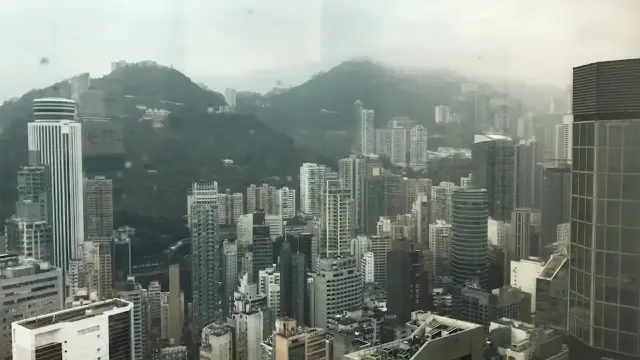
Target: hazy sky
point(227, 39)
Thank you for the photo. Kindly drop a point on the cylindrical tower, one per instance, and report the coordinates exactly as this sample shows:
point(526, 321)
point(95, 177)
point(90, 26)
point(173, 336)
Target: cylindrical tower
point(469, 242)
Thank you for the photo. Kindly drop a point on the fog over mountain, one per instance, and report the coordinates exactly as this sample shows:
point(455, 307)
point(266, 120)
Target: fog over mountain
point(535, 41)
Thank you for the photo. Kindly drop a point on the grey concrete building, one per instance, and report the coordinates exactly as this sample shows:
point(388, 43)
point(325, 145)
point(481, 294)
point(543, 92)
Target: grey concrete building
point(337, 287)
point(28, 288)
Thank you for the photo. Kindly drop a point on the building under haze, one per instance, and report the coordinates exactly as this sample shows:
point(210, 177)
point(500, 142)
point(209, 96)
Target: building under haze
point(469, 240)
point(55, 139)
point(494, 169)
point(205, 259)
point(604, 267)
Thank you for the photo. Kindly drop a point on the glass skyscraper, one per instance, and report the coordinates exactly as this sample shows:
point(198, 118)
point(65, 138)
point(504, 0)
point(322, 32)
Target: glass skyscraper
point(604, 268)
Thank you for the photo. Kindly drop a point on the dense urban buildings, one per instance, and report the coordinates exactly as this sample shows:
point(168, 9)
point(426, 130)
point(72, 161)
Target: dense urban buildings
point(604, 251)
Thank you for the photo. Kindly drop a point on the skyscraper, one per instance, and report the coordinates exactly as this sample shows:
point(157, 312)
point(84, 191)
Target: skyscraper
point(469, 242)
point(555, 204)
point(418, 155)
point(338, 219)
point(204, 252)
point(312, 177)
point(98, 192)
point(286, 203)
point(409, 288)
point(367, 131)
point(55, 138)
point(352, 171)
point(28, 231)
point(525, 170)
point(604, 256)
point(494, 169)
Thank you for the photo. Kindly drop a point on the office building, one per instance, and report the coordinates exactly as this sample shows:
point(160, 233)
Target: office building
point(55, 138)
point(431, 337)
point(367, 131)
point(409, 288)
point(294, 342)
point(28, 288)
point(262, 246)
point(171, 353)
point(564, 139)
point(469, 241)
point(399, 146)
point(440, 248)
point(175, 305)
point(380, 247)
point(552, 292)
point(524, 274)
point(421, 212)
point(383, 142)
point(522, 231)
point(604, 252)
point(98, 210)
point(230, 98)
point(230, 207)
point(338, 220)
point(352, 172)
point(525, 170)
point(312, 182)
point(262, 198)
point(512, 339)
point(479, 306)
point(205, 249)
point(494, 170)
point(100, 330)
point(230, 271)
point(28, 232)
point(121, 255)
point(418, 153)
point(555, 204)
point(217, 342)
point(135, 294)
point(337, 287)
point(286, 203)
point(442, 114)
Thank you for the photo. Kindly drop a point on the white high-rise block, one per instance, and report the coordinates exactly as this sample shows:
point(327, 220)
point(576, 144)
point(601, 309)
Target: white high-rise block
point(55, 139)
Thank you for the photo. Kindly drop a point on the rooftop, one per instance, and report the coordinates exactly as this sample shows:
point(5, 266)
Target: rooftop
point(54, 99)
point(430, 327)
point(551, 268)
point(73, 314)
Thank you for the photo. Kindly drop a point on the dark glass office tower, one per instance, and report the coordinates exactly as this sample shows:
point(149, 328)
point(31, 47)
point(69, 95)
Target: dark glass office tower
point(469, 241)
point(525, 170)
point(262, 245)
point(494, 169)
point(604, 267)
point(555, 205)
point(410, 289)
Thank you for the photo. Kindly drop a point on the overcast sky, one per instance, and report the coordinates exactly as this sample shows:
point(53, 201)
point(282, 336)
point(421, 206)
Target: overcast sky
point(535, 40)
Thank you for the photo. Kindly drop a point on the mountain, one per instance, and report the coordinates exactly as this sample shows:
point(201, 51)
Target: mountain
point(162, 160)
point(319, 112)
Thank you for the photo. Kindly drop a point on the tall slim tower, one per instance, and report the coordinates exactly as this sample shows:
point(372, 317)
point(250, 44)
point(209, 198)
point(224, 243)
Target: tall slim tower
point(367, 131)
point(469, 238)
point(205, 249)
point(604, 266)
point(338, 219)
point(494, 162)
point(98, 192)
point(312, 178)
point(418, 155)
point(55, 137)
